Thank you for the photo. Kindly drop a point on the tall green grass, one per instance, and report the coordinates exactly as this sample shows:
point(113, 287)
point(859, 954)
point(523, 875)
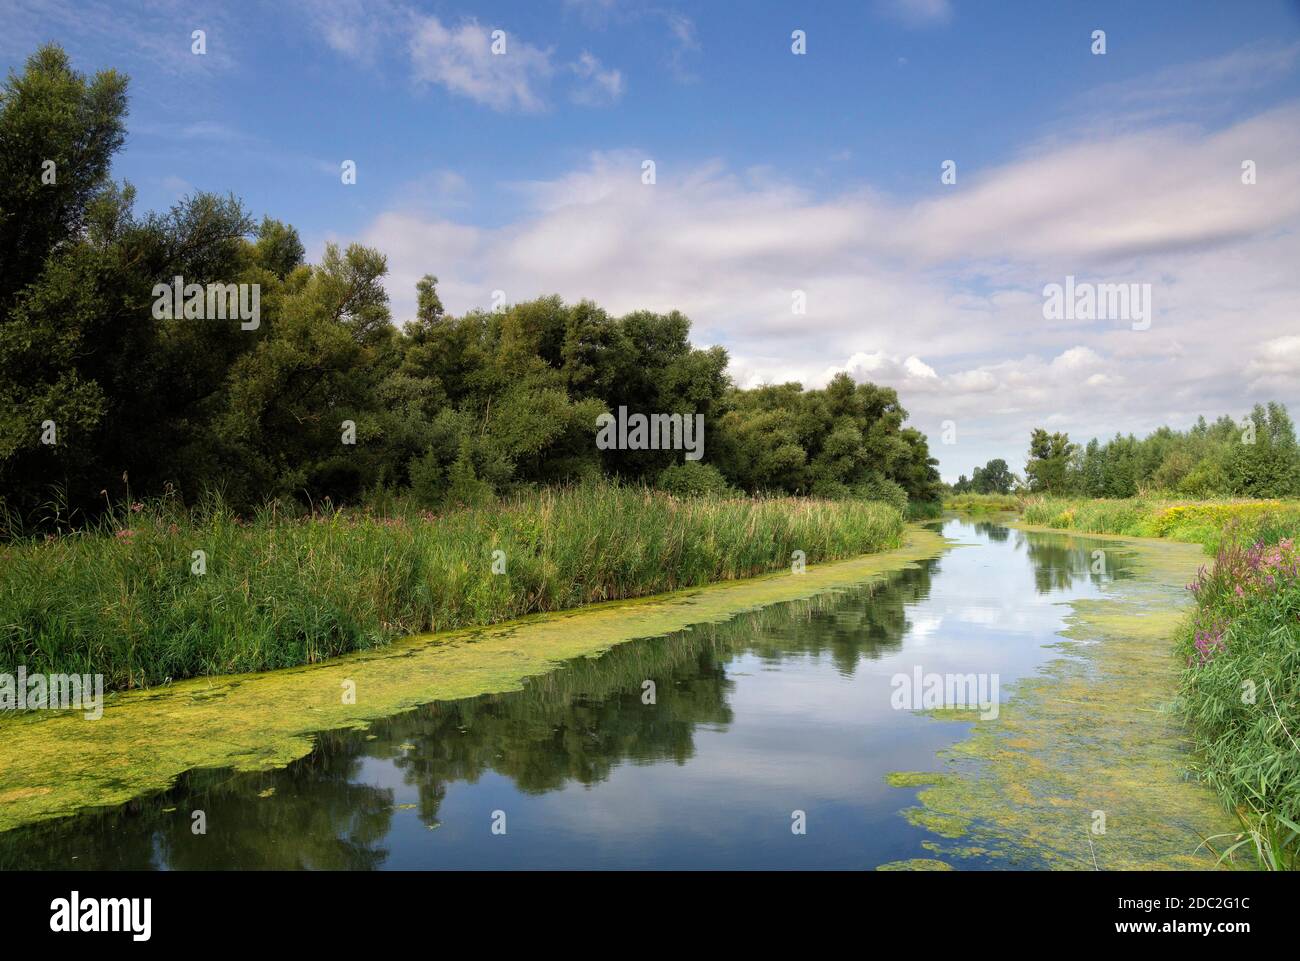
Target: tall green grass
point(123, 600)
point(1207, 523)
point(1240, 687)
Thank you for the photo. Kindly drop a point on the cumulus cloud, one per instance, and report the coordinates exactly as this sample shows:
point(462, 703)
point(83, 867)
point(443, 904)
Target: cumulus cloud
point(1276, 364)
point(940, 296)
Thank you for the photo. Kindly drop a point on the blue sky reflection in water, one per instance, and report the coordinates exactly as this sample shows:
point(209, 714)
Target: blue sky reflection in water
point(783, 709)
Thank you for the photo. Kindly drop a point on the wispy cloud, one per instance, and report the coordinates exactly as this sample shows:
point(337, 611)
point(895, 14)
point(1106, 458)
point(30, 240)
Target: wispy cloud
point(212, 130)
point(916, 13)
point(158, 31)
point(357, 29)
point(462, 60)
point(1200, 89)
point(509, 74)
point(594, 12)
point(685, 46)
point(597, 85)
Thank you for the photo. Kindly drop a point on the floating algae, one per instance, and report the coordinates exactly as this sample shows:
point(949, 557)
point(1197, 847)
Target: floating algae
point(1086, 766)
point(916, 864)
point(53, 765)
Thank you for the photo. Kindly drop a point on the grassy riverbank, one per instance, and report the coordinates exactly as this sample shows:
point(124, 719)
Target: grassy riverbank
point(127, 599)
point(53, 764)
point(1207, 522)
point(1240, 687)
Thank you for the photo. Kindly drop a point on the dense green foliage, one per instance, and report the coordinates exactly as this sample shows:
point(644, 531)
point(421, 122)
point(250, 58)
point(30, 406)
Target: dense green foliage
point(993, 478)
point(1050, 457)
point(127, 601)
point(842, 440)
point(1241, 688)
point(100, 400)
point(1258, 457)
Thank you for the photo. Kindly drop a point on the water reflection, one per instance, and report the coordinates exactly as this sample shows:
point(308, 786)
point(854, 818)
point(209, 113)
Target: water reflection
point(1058, 562)
point(781, 707)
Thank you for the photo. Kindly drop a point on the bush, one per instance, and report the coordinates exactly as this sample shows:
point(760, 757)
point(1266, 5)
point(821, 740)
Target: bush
point(877, 488)
point(693, 479)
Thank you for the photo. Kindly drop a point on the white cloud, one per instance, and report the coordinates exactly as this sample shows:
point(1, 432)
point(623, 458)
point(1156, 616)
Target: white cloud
point(159, 34)
point(597, 85)
point(1276, 365)
point(686, 45)
point(176, 187)
point(357, 29)
point(461, 60)
point(941, 296)
point(880, 368)
point(1076, 358)
point(595, 12)
point(212, 130)
point(1194, 87)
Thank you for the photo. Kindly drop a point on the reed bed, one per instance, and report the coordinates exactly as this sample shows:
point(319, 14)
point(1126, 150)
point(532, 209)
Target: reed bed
point(127, 598)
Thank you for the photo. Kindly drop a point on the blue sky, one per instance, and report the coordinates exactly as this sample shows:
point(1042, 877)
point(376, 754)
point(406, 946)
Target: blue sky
point(774, 173)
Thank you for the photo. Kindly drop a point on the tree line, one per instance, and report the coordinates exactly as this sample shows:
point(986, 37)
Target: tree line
point(1255, 457)
point(102, 396)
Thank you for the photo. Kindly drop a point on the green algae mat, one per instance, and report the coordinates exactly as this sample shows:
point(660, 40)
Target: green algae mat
point(52, 765)
point(1087, 766)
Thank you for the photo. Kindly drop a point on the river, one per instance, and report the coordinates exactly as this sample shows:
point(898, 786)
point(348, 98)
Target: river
point(766, 740)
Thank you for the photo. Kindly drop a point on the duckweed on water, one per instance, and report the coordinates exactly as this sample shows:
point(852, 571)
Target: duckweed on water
point(54, 765)
point(916, 864)
point(1093, 731)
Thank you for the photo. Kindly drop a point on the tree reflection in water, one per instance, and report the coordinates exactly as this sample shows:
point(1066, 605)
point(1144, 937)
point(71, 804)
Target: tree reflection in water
point(573, 725)
point(338, 807)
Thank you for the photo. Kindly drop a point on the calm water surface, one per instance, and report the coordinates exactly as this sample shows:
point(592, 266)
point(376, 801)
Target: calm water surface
point(783, 709)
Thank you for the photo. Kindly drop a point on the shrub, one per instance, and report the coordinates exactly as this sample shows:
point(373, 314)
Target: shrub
point(692, 479)
point(878, 488)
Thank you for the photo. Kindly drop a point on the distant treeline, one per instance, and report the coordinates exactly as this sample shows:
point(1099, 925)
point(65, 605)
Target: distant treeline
point(1255, 457)
point(103, 395)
